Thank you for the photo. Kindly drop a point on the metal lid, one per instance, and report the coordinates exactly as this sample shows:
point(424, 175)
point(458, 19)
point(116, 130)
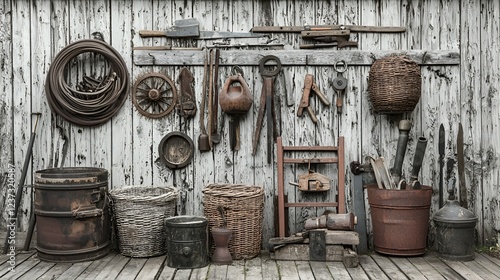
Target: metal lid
point(452, 212)
point(186, 221)
point(176, 149)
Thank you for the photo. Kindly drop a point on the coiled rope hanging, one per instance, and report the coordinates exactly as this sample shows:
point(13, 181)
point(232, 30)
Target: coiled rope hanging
point(94, 101)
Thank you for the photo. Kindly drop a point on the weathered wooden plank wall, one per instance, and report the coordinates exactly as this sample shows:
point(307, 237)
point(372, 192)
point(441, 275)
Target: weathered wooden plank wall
point(33, 32)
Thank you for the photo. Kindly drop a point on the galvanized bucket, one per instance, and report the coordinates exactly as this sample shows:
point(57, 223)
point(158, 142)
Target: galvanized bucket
point(187, 241)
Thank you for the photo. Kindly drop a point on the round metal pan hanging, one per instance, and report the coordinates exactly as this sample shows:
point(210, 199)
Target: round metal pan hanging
point(176, 150)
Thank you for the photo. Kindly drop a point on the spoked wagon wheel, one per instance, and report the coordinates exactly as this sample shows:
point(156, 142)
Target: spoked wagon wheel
point(154, 95)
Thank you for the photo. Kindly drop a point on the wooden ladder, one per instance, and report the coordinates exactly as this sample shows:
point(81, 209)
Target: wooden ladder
point(338, 159)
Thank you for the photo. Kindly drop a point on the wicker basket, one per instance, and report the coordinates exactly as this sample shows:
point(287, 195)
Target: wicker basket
point(394, 85)
point(243, 205)
point(140, 213)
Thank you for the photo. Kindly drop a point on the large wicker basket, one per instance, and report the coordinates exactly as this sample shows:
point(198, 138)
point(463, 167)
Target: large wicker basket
point(140, 213)
point(243, 209)
point(394, 85)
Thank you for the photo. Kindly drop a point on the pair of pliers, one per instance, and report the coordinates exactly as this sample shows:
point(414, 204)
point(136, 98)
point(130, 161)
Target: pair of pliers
point(310, 85)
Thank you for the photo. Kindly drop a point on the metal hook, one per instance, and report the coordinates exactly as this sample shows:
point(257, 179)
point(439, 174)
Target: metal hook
point(235, 70)
point(340, 66)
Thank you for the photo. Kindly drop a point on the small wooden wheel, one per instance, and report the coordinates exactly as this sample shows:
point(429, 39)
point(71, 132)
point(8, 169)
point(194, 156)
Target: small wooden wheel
point(154, 95)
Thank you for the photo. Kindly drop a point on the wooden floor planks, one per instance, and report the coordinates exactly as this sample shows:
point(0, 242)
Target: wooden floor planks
point(372, 266)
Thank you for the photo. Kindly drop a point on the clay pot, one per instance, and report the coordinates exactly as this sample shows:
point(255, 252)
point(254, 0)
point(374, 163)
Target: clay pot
point(221, 238)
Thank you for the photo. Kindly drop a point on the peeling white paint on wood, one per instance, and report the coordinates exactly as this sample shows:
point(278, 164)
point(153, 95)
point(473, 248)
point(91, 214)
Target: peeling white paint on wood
point(128, 145)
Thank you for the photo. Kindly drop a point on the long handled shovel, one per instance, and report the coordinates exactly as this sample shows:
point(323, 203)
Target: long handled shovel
point(20, 187)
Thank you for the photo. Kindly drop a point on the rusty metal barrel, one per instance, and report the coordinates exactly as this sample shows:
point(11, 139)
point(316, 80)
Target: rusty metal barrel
point(400, 220)
point(72, 216)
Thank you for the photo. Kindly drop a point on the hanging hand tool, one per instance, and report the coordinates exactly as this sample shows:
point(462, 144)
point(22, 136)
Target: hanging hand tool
point(313, 34)
point(337, 43)
point(351, 28)
point(19, 192)
point(211, 56)
point(441, 144)
point(187, 103)
point(266, 105)
point(189, 28)
point(215, 136)
point(166, 48)
point(461, 168)
point(450, 165)
point(330, 41)
point(310, 85)
point(417, 163)
point(340, 83)
point(203, 139)
point(287, 84)
point(235, 99)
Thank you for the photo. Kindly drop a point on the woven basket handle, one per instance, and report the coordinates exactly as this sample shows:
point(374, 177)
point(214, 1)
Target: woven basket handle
point(221, 212)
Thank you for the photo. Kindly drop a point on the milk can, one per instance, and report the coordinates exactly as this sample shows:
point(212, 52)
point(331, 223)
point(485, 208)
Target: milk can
point(455, 232)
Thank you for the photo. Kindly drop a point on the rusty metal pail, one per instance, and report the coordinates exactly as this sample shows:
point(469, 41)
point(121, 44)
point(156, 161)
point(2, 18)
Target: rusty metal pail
point(72, 217)
point(400, 220)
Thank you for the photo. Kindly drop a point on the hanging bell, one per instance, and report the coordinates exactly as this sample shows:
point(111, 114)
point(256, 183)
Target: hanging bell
point(235, 98)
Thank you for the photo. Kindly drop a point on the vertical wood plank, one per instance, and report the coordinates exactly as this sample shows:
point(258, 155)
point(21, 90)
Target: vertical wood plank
point(164, 13)
point(80, 137)
point(242, 158)
point(21, 79)
point(269, 13)
point(370, 127)
point(41, 56)
point(490, 116)
point(197, 178)
point(100, 21)
point(142, 127)
point(440, 92)
point(223, 172)
point(411, 39)
point(6, 101)
point(205, 175)
point(327, 128)
point(389, 15)
point(470, 102)
point(350, 121)
point(305, 131)
point(121, 124)
point(59, 38)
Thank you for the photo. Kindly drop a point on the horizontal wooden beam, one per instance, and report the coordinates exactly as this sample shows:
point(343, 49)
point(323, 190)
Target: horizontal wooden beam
point(291, 57)
point(312, 160)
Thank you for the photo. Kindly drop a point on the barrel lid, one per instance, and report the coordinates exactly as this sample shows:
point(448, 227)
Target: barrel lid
point(452, 212)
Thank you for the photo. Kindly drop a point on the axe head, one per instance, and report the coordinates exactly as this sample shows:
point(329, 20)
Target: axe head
point(189, 27)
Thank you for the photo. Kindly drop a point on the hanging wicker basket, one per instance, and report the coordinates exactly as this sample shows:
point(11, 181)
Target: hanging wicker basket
point(140, 213)
point(243, 206)
point(394, 85)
